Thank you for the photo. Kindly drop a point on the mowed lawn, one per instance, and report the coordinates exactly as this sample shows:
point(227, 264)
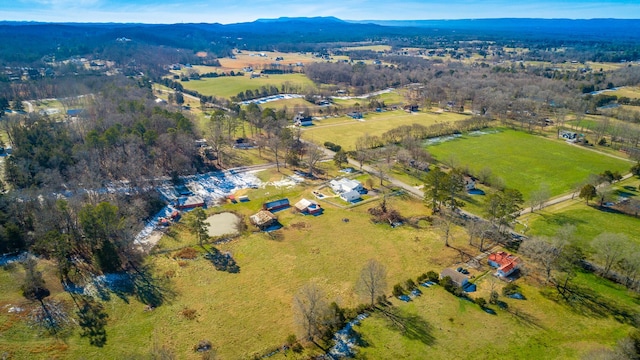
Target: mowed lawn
point(228, 86)
point(345, 131)
point(589, 221)
point(526, 161)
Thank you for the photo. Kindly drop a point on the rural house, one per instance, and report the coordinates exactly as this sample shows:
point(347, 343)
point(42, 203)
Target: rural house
point(308, 207)
point(355, 115)
point(344, 185)
point(459, 279)
point(469, 183)
point(410, 108)
point(301, 120)
point(263, 219)
point(350, 196)
point(504, 262)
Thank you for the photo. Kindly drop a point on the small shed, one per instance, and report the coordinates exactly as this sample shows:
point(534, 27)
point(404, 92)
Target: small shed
point(350, 196)
point(308, 206)
point(263, 219)
point(276, 204)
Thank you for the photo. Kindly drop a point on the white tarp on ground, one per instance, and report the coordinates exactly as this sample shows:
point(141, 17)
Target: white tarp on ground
point(285, 182)
point(212, 187)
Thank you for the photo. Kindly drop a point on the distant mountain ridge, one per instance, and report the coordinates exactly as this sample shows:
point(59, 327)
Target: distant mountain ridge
point(589, 28)
point(32, 40)
point(315, 19)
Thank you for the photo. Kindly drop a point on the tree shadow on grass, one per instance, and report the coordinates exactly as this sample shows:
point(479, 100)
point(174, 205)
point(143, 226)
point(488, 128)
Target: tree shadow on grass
point(221, 261)
point(411, 326)
point(586, 301)
point(526, 319)
point(148, 289)
point(561, 219)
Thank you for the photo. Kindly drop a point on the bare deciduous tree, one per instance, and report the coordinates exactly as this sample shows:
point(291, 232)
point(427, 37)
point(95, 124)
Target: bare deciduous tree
point(444, 224)
point(372, 282)
point(543, 252)
point(539, 197)
point(609, 249)
point(314, 154)
point(310, 311)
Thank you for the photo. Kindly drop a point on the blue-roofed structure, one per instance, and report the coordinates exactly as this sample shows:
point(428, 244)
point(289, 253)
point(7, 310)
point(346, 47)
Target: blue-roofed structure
point(276, 204)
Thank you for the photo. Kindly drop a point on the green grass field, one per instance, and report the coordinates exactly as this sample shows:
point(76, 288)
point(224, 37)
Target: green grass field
point(345, 131)
point(250, 312)
point(525, 161)
point(369, 47)
point(291, 105)
point(589, 221)
point(388, 98)
point(444, 327)
point(229, 86)
point(632, 92)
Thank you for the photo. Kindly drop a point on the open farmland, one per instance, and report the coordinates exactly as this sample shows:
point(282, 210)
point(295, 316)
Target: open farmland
point(345, 131)
point(526, 161)
point(232, 308)
point(632, 92)
point(389, 98)
point(444, 327)
point(259, 59)
point(589, 221)
point(228, 86)
point(378, 48)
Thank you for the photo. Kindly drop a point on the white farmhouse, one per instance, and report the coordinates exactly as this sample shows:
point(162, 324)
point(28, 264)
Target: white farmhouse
point(350, 196)
point(344, 185)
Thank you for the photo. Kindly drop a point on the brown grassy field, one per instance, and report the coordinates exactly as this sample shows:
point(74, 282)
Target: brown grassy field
point(252, 58)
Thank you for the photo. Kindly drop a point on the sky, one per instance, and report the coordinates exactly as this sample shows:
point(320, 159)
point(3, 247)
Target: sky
point(233, 11)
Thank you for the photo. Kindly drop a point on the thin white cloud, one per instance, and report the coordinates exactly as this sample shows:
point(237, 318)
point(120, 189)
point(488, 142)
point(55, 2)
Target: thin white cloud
point(171, 11)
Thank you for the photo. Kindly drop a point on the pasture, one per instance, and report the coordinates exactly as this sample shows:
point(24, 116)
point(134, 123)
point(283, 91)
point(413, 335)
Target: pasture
point(526, 161)
point(440, 326)
point(228, 86)
point(389, 98)
point(632, 92)
point(345, 131)
point(589, 221)
point(231, 309)
point(377, 48)
point(260, 59)
point(249, 313)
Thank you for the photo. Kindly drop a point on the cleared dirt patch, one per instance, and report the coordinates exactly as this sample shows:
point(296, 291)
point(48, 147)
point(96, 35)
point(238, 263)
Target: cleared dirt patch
point(222, 224)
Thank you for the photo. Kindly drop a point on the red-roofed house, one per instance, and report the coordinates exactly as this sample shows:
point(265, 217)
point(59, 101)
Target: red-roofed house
point(504, 262)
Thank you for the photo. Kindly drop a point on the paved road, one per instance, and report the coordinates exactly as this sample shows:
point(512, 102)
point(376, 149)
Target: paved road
point(567, 197)
point(420, 194)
